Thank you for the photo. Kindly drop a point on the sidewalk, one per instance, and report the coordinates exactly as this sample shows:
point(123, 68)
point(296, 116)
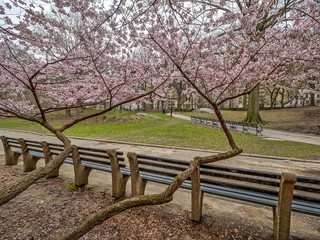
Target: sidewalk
point(275, 134)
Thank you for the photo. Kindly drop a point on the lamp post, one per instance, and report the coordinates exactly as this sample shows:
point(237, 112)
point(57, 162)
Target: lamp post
point(170, 104)
point(171, 109)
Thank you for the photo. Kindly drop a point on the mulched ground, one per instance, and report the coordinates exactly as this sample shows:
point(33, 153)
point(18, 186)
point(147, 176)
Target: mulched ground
point(48, 209)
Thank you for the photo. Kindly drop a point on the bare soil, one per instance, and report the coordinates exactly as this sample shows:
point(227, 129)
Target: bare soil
point(303, 120)
point(297, 120)
point(48, 209)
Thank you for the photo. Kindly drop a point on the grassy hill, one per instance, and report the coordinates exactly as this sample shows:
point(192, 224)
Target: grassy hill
point(304, 120)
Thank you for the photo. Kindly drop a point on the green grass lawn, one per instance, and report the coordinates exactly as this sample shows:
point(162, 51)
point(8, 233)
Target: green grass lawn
point(171, 132)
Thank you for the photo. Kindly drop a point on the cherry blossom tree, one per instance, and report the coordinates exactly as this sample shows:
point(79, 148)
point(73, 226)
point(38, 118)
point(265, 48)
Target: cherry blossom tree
point(223, 49)
point(65, 58)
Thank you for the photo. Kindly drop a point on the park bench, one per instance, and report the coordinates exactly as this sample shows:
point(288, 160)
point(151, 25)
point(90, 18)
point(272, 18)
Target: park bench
point(206, 121)
point(84, 160)
point(232, 125)
point(264, 188)
point(283, 192)
point(245, 126)
point(146, 168)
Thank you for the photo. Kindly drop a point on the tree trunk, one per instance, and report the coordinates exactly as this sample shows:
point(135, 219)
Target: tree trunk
point(253, 114)
point(296, 102)
point(78, 112)
point(274, 99)
point(68, 112)
point(155, 199)
point(312, 97)
point(282, 98)
point(245, 103)
point(179, 86)
point(312, 101)
point(16, 188)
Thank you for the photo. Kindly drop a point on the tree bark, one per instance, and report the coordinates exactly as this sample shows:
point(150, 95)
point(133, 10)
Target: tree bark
point(16, 188)
point(274, 98)
point(282, 92)
point(155, 199)
point(68, 112)
point(245, 102)
point(78, 112)
point(312, 97)
point(179, 86)
point(253, 114)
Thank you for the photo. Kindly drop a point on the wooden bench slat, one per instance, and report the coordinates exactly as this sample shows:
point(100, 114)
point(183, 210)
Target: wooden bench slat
point(307, 188)
point(14, 145)
point(240, 177)
point(255, 198)
point(93, 154)
point(163, 179)
point(163, 159)
point(161, 165)
point(242, 170)
point(297, 207)
point(247, 187)
point(157, 172)
point(97, 150)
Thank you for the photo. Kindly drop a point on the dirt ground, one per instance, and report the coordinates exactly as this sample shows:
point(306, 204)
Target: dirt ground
point(296, 120)
point(48, 209)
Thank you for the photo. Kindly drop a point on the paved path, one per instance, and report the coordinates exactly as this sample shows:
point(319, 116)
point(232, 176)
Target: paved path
point(264, 163)
point(276, 135)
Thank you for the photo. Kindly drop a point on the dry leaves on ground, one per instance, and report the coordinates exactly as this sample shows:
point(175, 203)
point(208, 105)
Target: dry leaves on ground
point(48, 209)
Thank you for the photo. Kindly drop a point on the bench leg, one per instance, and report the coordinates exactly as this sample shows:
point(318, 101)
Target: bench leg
point(138, 185)
point(119, 181)
point(282, 213)
point(196, 196)
point(81, 173)
point(258, 132)
point(11, 158)
point(29, 161)
point(48, 158)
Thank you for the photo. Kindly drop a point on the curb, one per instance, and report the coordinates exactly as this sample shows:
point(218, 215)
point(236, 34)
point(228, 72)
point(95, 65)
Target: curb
point(170, 147)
